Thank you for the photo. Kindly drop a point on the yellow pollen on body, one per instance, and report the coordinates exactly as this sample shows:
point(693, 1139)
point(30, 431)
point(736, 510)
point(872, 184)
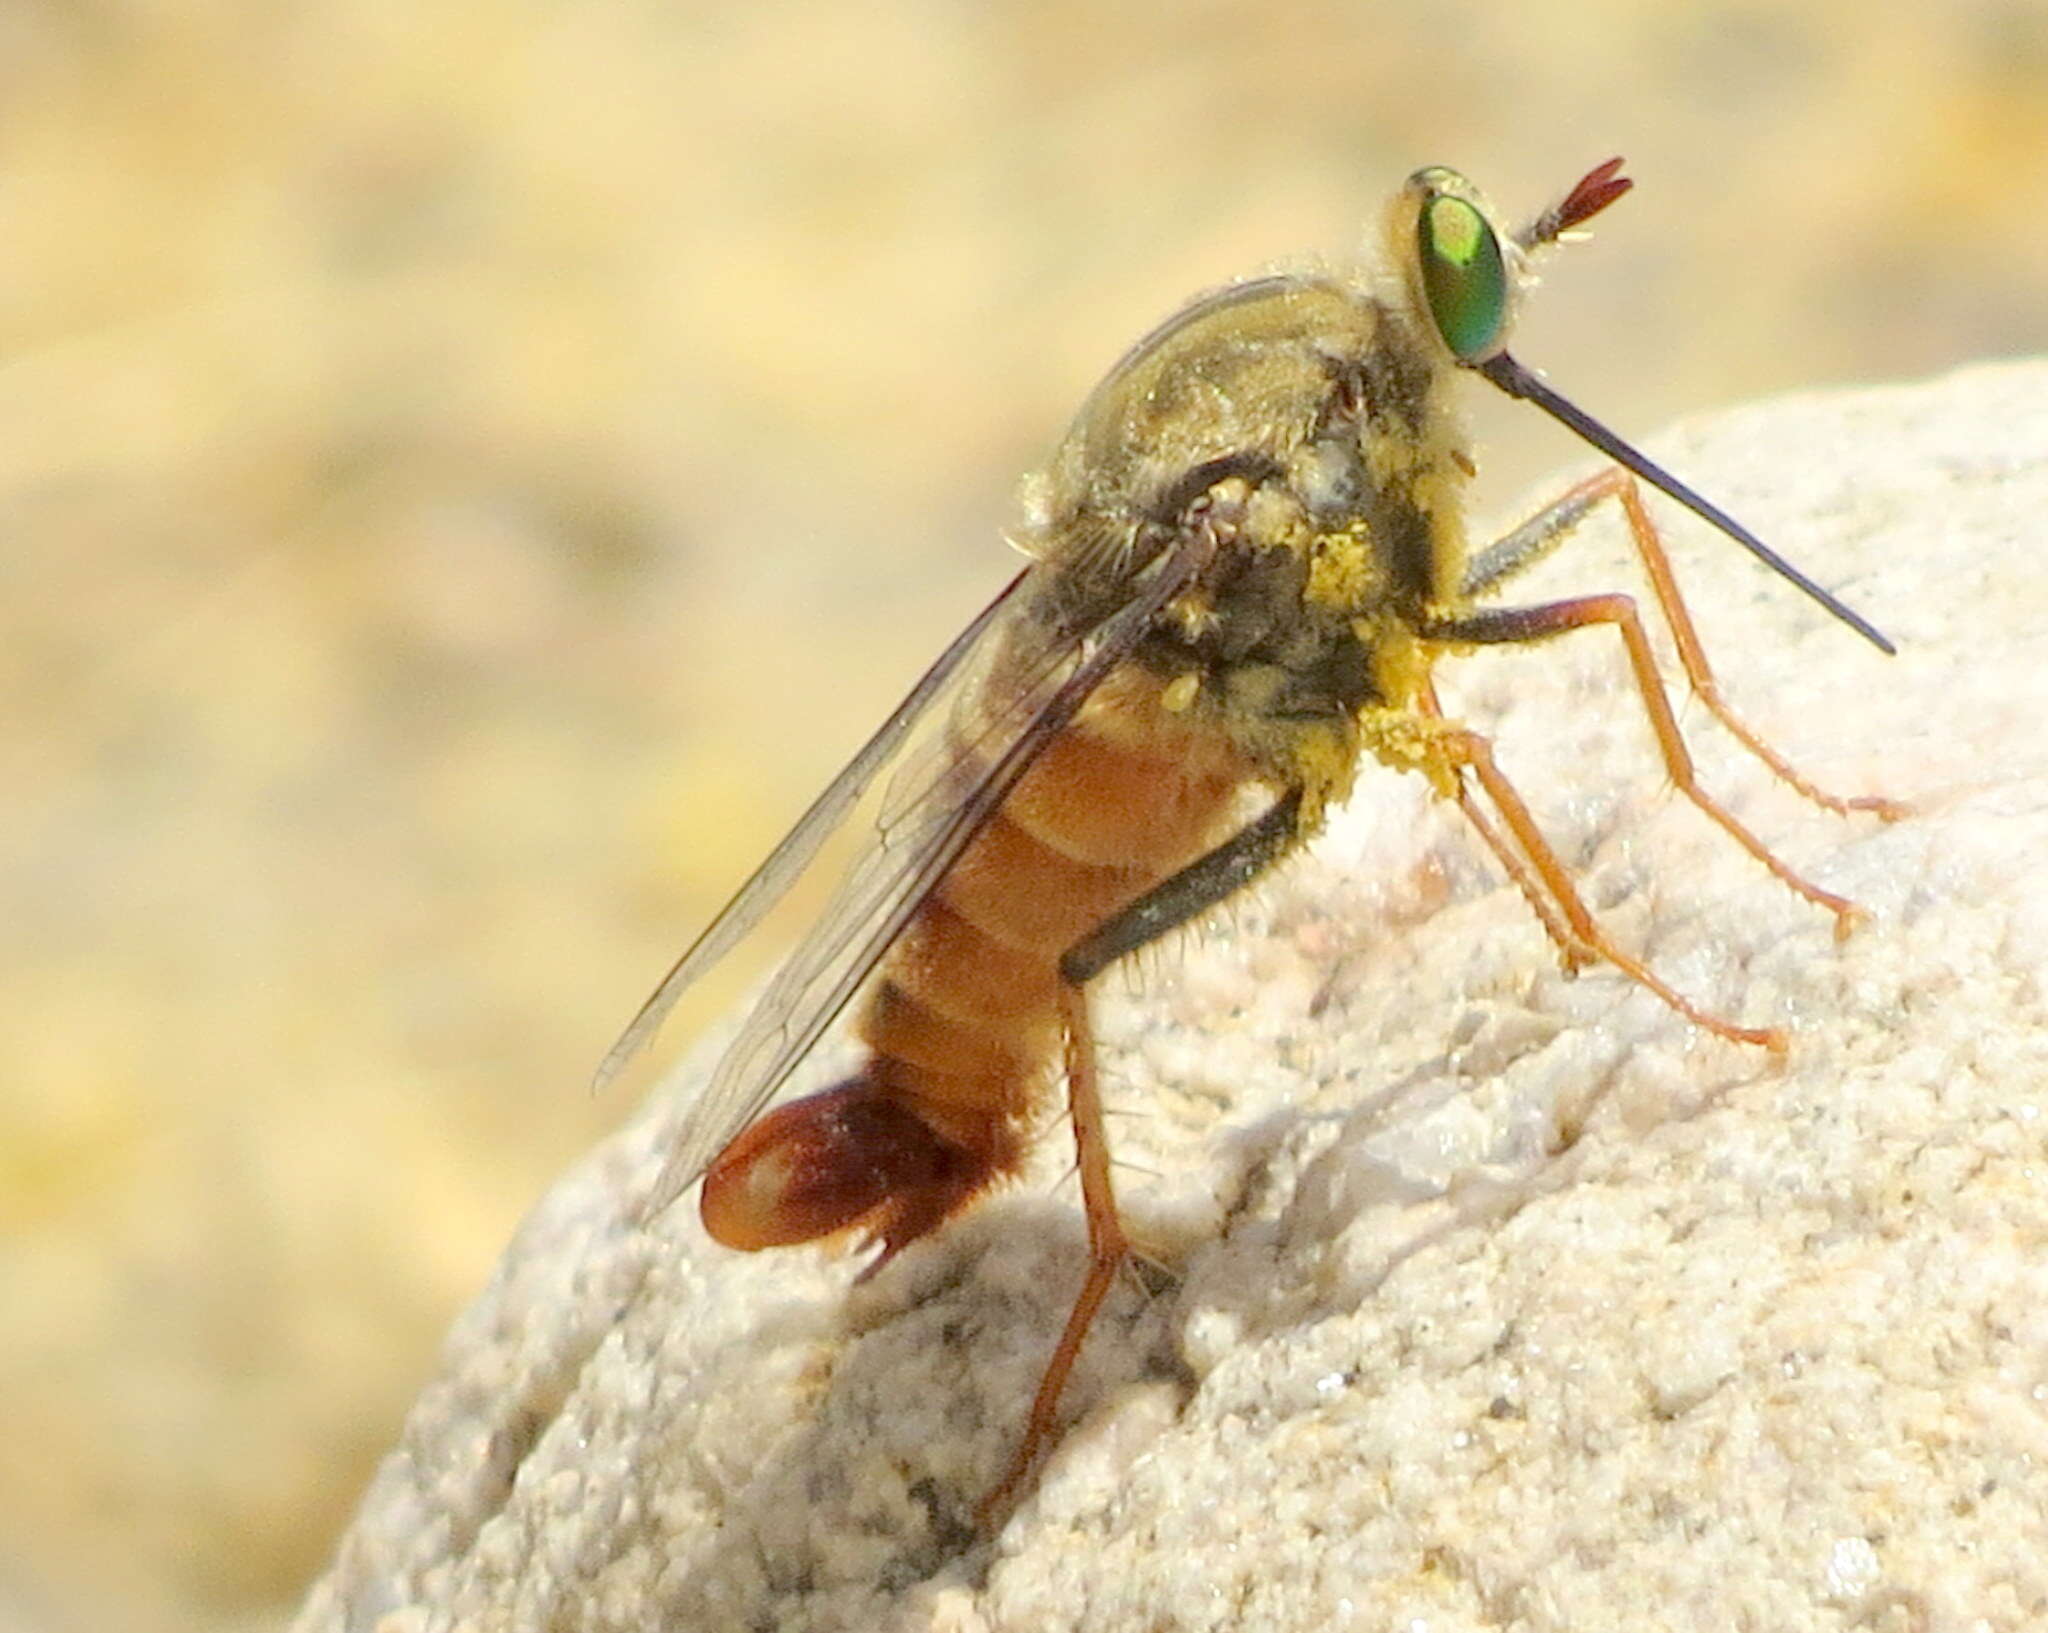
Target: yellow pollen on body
point(1343, 569)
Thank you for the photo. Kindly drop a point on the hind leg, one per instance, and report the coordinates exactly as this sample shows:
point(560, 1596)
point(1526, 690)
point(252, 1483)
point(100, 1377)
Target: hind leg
point(1107, 1247)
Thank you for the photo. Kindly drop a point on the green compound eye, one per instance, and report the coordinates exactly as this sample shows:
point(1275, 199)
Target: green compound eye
point(1463, 276)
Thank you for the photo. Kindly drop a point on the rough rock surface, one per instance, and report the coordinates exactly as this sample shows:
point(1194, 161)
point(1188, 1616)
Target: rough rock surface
point(1501, 1300)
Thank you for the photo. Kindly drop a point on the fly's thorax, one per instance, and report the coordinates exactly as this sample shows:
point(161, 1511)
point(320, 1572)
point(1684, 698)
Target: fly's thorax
point(1239, 372)
point(1319, 393)
point(1312, 412)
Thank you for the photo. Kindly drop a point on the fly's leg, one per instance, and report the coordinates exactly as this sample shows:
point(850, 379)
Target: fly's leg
point(1199, 886)
point(1572, 947)
point(1546, 885)
point(1508, 625)
point(1187, 894)
point(1107, 1246)
point(1514, 625)
point(1542, 875)
point(1541, 534)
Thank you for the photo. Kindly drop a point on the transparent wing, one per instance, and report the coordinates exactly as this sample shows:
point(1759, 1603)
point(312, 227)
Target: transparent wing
point(770, 882)
point(1002, 719)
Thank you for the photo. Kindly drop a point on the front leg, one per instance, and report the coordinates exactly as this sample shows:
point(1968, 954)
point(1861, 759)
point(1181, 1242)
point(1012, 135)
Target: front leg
point(1517, 625)
point(1543, 533)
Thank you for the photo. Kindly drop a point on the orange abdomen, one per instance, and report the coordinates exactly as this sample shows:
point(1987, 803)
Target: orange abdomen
point(963, 1018)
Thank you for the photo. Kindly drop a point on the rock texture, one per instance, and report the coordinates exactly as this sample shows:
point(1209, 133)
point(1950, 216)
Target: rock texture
point(1498, 1300)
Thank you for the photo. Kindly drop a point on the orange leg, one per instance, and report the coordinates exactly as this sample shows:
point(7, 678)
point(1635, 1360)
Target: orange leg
point(1571, 947)
point(1517, 624)
point(1544, 879)
point(1107, 1247)
point(1537, 537)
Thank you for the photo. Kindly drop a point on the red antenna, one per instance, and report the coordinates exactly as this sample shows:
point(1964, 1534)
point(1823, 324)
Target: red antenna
point(1595, 190)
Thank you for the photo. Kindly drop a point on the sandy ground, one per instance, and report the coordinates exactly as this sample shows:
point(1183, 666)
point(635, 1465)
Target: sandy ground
point(468, 476)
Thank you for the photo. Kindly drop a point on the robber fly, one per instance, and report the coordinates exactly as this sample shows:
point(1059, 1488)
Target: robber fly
point(1247, 556)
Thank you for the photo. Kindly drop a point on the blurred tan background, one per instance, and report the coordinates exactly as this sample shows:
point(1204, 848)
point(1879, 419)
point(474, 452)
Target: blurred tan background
point(468, 473)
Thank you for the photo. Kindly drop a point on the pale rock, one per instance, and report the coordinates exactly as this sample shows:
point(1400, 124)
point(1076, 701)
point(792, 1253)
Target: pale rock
point(1504, 1300)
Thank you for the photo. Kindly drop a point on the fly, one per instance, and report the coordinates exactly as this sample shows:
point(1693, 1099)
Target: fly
point(1247, 557)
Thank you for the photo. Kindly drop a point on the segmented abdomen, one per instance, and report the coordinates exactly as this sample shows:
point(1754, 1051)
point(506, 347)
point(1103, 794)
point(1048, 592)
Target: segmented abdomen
point(963, 1020)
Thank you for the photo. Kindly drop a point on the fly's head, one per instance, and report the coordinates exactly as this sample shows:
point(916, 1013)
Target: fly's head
point(1462, 280)
point(1463, 276)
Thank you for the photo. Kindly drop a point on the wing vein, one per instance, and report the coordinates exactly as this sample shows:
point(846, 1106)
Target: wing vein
point(771, 881)
point(930, 823)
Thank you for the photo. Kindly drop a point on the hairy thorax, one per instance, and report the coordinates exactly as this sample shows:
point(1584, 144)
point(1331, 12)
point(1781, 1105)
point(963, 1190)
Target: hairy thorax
point(1309, 408)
